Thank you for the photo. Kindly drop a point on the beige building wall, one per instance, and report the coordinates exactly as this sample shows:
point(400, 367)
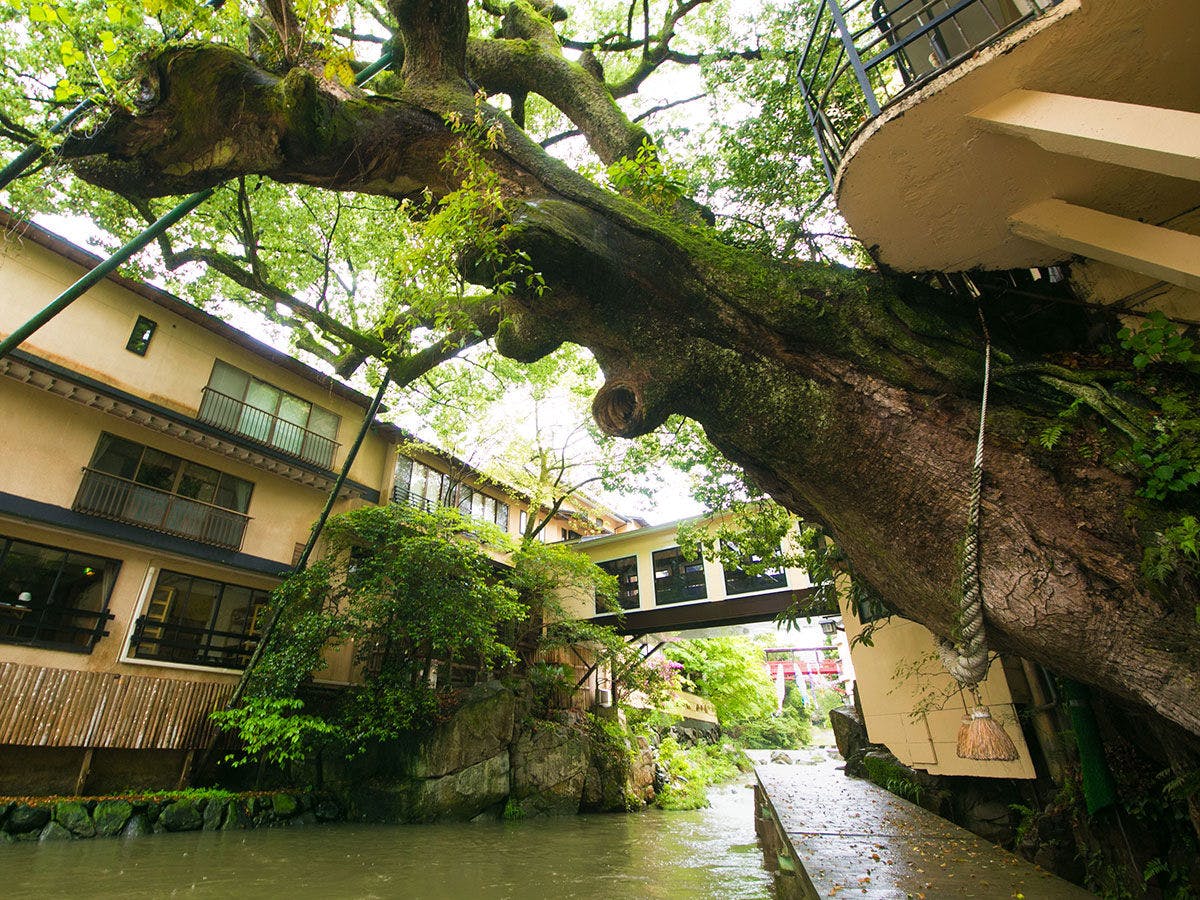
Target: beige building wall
point(75, 379)
point(51, 433)
point(914, 708)
point(90, 337)
point(644, 543)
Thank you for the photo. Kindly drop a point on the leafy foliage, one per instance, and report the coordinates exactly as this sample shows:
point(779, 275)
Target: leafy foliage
point(730, 672)
point(647, 179)
point(404, 588)
point(1159, 341)
point(689, 770)
point(275, 730)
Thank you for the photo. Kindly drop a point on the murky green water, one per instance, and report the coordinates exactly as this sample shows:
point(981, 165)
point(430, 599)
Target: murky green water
point(708, 853)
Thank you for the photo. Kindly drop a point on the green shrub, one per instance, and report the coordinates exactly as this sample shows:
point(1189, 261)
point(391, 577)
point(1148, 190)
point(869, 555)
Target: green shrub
point(690, 770)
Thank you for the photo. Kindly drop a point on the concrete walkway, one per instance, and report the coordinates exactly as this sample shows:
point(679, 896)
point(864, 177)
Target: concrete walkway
point(835, 836)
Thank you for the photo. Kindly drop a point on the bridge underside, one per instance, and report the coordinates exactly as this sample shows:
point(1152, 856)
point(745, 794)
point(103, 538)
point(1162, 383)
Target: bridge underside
point(711, 614)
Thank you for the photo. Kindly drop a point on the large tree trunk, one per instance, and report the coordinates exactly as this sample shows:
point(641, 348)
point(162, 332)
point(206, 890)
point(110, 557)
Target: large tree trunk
point(850, 396)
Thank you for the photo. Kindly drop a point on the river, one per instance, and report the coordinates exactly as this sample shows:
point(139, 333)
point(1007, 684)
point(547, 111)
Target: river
point(709, 853)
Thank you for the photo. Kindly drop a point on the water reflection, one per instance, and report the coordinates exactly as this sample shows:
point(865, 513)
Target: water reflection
point(704, 854)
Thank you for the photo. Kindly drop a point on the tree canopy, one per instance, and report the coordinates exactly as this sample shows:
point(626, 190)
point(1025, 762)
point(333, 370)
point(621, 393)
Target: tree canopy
point(400, 224)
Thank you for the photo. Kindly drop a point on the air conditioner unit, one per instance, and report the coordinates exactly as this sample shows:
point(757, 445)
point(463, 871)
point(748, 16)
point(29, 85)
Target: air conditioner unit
point(604, 696)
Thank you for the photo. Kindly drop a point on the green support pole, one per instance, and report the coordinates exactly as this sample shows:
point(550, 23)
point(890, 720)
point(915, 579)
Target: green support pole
point(1099, 791)
point(314, 534)
point(79, 288)
point(30, 154)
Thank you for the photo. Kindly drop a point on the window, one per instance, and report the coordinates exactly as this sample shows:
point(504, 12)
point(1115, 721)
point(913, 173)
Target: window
point(677, 580)
point(199, 622)
point(625, 569)
point(569, 535)
point(236, 401)
point(416, 484)
point(53, 597)
point(139, 339)
point(737, 581)
point(871, 608)
point(130, 482)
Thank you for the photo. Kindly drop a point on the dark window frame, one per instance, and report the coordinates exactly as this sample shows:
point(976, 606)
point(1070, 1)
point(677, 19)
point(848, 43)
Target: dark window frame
point(160, 639)
point(450, 493)
point(628, 588)
point(179, 475)
point(166, 494)
point(27, 623)
point(214, 409)
point(684, 580)
point(143, 333)
point(738, 583)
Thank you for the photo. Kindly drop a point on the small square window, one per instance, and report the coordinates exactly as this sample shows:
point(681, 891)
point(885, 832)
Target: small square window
point(143, 331)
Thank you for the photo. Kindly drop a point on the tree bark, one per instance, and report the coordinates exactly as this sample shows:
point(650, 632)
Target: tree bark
point(852, 397)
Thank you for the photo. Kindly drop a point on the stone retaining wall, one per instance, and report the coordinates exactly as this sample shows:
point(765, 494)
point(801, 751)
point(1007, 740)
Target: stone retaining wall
point(85, 817)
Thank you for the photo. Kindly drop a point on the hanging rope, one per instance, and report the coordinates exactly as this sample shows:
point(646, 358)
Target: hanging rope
point(967, 658)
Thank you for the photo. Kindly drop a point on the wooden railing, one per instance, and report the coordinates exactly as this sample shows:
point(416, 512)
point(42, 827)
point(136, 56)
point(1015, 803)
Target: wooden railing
point(123, 500)
point(236, 416)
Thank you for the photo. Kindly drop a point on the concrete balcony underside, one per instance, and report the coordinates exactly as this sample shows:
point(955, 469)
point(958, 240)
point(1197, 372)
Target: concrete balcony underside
point(931, 188)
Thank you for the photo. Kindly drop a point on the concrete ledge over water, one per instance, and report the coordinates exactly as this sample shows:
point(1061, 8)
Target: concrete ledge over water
point(828, 835)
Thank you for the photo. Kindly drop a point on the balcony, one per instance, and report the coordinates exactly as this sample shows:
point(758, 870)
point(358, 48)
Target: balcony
point(405, 497)
point(191, 645)
point(124, 500)
point(862, 55)
point(238, 417)
point(53, 627)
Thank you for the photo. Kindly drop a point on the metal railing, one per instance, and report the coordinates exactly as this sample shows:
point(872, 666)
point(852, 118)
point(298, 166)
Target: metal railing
point(123, 500)
point(863, 54)
point(191, 645)
point(55, 627)
point(238, 417)
point(405, 497)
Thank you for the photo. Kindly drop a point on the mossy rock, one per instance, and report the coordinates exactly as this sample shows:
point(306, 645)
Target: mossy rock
point(214, 815)
point(27, 818)
point(284, 805)
point(73, 815)
point(111, 816)
point(305, 818)
point(236, 816)
point(182, 815)
point(55, 832)
point(137, 826)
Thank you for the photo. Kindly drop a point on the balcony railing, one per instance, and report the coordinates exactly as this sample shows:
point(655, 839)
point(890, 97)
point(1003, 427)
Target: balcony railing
point(238, 417)
point(863, 54)
point(54, 627)
point(406, 497)
point(191, 645)
point(123, 500)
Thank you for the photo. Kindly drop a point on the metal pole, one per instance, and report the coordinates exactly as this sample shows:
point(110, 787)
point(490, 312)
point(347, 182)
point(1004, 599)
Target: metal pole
point(75, 291)
point(29, 155)
point(314, 534)
point(855, 60)
point(103, 269)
